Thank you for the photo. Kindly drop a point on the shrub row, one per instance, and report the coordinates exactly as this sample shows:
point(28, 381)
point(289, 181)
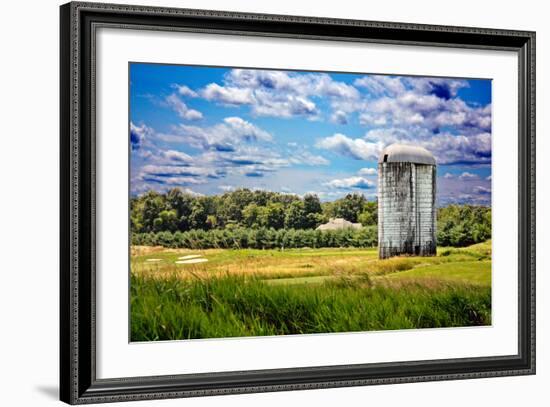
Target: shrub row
point(260, 238)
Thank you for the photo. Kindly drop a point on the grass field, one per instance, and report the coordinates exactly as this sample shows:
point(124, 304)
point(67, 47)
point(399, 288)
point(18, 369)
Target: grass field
point(299, 291)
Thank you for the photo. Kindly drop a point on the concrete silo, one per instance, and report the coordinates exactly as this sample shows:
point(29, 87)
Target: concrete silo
point(406, 201)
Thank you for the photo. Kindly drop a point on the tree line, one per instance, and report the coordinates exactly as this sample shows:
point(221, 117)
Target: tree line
point(260, 238)
point(463, 225)
point(262, 219)
point(178, 211)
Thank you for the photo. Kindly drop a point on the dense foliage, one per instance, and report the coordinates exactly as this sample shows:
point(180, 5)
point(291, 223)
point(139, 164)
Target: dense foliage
point(263, 219)
point(178, 211)
point(463, 225)
point(259, 238)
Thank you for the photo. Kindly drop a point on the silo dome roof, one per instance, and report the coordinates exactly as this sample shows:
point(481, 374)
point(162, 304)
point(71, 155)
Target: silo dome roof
point(406, 154)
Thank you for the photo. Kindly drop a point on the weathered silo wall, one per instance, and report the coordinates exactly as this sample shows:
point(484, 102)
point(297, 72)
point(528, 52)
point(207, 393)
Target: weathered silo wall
point(406, 202)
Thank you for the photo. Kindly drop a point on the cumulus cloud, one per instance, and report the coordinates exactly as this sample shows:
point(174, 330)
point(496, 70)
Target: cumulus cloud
point(446, 147)
point(301, 83)
point(171, 171)
point(178, 157)
point(174, 181)
point(381, 84)
point(246, 130)
point(411, 110)
point(225, 136)
point(430, 103)
point(467, 187)
point(444, 88)
point(181, 108)
point(482, 190)
point(351, 182)
point(138, 135)
point(357, 149)
point(339, 117)
point(367, 171)
point(467, 176)
point(307, 158)
point(280, 93)
point(185, 91)
point(227, 95)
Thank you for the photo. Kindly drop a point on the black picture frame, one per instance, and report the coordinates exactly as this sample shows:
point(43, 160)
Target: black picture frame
point(78, 382)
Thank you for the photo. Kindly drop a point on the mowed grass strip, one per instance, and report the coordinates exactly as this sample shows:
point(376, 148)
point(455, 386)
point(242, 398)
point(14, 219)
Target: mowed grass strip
point(467, 272)
point(274, 263)
point(266, 263)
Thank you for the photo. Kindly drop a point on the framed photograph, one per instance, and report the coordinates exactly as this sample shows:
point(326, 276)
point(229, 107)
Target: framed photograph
point(254, 203)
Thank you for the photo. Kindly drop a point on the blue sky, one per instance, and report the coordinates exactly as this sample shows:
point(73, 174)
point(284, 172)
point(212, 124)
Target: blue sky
point(208, 130)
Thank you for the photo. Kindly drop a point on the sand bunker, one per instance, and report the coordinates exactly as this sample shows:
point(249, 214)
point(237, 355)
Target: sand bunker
point(190, 256)
point(153, 260)
point(191, 261)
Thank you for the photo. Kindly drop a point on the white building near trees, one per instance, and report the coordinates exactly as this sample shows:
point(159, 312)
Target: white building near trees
point(338, 224)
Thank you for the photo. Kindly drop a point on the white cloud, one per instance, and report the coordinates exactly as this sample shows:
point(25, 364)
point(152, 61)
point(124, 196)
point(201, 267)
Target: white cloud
point(177, 156)
point(381, 84)
point(225, 136)
point(482, 190)
point(448, 175)
point(246, 130)
point(191, 192)
point(282, 94)
point(306, 158)
point(431, 103)
point(358, 149)
point(446, 147)
point(339, 117)
point(138, 135)
point(173, 171)
point(367, 171)
point(351, 182)
point(227, 95)
point(299, 83)
point(186, 91)
point(227, 188)
point(488, 178)
point(174, 181)
point(442, 87)
point(181, 108)
point(467, 176)
point(284, 107)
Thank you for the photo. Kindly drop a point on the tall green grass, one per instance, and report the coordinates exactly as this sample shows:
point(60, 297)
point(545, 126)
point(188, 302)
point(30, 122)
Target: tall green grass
point(228, 306)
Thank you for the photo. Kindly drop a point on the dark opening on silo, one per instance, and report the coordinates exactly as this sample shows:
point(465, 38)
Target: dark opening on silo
point(406, 201)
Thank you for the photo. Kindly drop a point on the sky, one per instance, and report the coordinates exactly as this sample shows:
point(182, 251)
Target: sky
point(208, 130)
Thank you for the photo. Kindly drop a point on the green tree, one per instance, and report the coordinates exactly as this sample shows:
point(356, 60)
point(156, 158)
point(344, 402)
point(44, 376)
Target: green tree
point(350, 207)
point(272, 216)
point(462, 225)
point(152, 206)
point(166, 221)
point(198, 216)
point(295, 217)
point(366, 218)
point(182, 203)
point(250, 215)
point(211, 222)
point(312, 210)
